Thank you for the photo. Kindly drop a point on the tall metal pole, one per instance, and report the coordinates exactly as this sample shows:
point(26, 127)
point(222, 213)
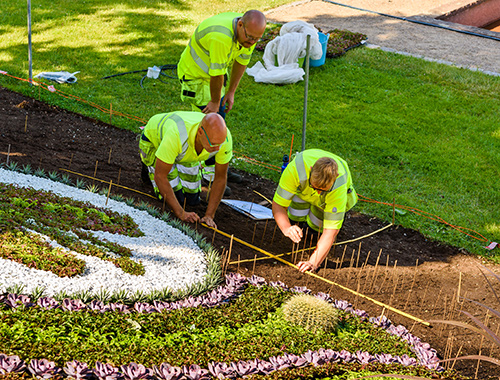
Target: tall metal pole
point(306, 87)
point(29, 43)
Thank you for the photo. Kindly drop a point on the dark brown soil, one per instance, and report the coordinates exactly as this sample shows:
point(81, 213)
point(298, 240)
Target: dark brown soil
point(397, 266)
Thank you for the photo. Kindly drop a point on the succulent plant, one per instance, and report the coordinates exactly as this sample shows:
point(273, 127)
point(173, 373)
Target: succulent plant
point(48, 303)
point(99, 306)
point(43, 369)
point(16, 300)
point(143, 307)
point(11, 364)
point(135, 371)
point(107, 372)
point(246, 368)
point(167, 372)
point(26, 169)
point(221, 370)
point(73, 305)
point(77, 370)
point(40, 173)
point(311, 313)
point(195, 372)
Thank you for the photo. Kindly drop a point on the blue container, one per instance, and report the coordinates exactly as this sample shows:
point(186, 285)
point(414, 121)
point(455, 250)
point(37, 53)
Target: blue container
point(323, 40)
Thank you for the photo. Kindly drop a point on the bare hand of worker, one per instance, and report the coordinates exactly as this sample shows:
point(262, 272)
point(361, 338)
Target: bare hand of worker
point(228, 102)
point(294, 233)
point(211, 107)
point(306, 265)
point(209, 221)
point(190, 217)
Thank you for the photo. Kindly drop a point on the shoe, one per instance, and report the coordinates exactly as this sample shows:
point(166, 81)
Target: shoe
point(234, 177)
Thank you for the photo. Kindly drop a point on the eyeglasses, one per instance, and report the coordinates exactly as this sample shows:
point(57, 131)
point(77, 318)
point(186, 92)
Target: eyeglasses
point(322, 190)
point(249, 38)
point(209, 143)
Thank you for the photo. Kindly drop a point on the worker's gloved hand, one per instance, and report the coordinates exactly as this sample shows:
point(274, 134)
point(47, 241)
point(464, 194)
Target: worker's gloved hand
point(190, 217)
point(304, 266)
point(209, 221)
point(294, 233)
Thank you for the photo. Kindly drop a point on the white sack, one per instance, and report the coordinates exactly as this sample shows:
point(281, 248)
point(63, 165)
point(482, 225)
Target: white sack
point(286, 49)
point(59, 76)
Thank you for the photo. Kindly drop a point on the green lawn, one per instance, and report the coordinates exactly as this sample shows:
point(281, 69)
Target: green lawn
point(423, 133)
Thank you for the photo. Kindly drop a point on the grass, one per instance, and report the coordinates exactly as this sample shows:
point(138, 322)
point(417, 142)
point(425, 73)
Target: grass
point(423, 133)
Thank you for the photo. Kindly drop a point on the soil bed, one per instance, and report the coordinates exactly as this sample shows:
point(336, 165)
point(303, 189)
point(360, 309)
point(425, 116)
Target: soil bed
point(383, 266)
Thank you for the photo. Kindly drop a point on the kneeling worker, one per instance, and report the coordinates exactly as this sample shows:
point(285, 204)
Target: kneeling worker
point(172, 146)
point(316, 188)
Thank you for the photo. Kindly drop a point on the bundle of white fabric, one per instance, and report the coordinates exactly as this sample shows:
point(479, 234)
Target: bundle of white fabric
point(286, 49)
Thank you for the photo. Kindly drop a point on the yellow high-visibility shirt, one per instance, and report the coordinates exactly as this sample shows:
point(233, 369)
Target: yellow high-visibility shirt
point(295, 181)
point(212, 48)
point(164, 132)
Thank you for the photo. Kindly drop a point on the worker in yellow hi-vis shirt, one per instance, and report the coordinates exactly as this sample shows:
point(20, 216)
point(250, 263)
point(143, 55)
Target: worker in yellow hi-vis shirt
point(315, 188)
point(220, 44)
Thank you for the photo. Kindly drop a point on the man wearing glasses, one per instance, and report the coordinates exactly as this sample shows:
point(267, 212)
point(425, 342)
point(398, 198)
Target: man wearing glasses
point(314, 190)
point(221, 43)
point(172, 146)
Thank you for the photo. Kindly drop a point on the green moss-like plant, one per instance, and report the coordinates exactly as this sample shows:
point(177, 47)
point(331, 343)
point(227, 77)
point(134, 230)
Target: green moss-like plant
point(311, 313)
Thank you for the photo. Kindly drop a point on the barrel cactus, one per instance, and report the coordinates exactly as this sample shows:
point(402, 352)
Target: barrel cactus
point(311, 313)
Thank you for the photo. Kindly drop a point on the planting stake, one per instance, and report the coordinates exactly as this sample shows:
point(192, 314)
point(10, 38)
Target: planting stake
point(109, 157)
point(386, 272)
point(230, 248)
point(8, 154)
point(213, 238)
point(459, 286)
point(238, 267)
point(26, 124)
point(109, 191)
point(342, 259)
point(95, 172)
point(70, 160)
point(305, 240)
point(254, 262)
point(458, 354)
point(321, 278)
point(254, 228)
point(375, 270)
point(481, 345)
point(364, 266)
point(209, 187)
point(412, 284)
point(251, 205)
point(163, 206)
point(119, 174)
point(493, 343)
point(437, 300)
point(40, 163)
point(425, 292)
point(291, 149)
point(274, 233)
point(265, 227)
point(394, 271)
point(326, 263)
point(357, 258)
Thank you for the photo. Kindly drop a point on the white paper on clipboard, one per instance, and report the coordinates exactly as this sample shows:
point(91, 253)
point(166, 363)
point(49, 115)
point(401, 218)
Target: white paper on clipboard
point(252, 210)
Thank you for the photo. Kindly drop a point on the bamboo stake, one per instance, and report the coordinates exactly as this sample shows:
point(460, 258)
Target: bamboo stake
point(109, 157)
point(326, 264)
point(386, 273)
point(40, 163)
point(350, 266)
point(481, 344)
point(109, 191)
point(364, 267)
point(213, 236)
point(375, 270)
point(425, 292)
point(119, 174)
point(163, 207)
point(209, 187)
point(493, 345)
point(359, 252)
point(412, 285)
point(238, 267)
point(305, 240)
point(342, 259)
point(437, 299)
point(394, 271)
point(95, 172)
point(459, 286)
point(274, 233)
point(264, 233)
point(184, 206)
point(70, 160)
point(458, 354)
point(254, 262)
point(254, 228)
point(26, 124)
point(230, 249)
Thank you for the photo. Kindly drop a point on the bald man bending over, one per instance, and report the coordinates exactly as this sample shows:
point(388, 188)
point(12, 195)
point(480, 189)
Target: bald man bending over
point(173, 146)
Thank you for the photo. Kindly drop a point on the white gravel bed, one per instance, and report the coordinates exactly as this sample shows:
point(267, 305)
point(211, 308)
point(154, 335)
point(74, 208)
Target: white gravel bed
point(170, 258)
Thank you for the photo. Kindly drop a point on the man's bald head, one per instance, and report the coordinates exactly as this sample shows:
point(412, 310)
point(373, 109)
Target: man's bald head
point(215, 128)
point(251, 27)
point(254, 19)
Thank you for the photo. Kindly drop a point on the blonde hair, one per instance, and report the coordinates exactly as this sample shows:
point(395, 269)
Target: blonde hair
point(324, 173)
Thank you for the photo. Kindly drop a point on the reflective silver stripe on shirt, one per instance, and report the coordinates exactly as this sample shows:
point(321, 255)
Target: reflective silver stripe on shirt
point(341, 180)
point(181, 127)
point(198, 35)
point(336, 216)
point(284, 193)
point(301, 170)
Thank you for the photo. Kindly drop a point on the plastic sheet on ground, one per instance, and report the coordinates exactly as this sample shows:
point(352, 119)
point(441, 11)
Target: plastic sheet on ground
point(286, 50)
point(59, 76)
point(253, 210)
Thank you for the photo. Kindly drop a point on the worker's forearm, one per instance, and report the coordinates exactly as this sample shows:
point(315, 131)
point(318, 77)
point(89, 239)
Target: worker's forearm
point(168, 194)
point(281, 217)
point(216, 84)
point(236, 74)
point(324, 244)
point(216, 192)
